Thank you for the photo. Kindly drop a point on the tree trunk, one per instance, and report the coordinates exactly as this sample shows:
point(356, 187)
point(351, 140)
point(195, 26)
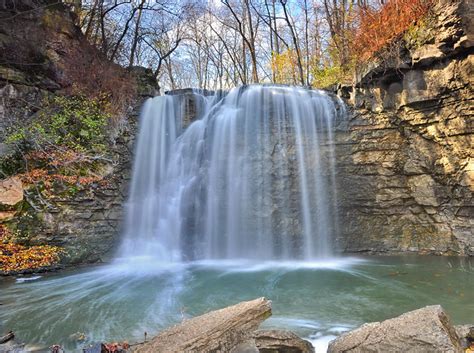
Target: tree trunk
point(135, 36)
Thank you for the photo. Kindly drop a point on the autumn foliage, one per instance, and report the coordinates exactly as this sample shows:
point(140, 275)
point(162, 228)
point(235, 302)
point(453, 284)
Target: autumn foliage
point(86, 72)
point(60, 166)
point(98, 79)
point(48, 179)
point(377, 27)
point(285, 67)
point(16, 258)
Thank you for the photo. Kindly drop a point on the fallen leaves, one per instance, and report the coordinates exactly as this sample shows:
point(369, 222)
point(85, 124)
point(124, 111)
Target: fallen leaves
point(15, 257)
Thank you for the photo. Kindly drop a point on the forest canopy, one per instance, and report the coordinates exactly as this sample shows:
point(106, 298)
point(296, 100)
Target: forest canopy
point(218, 44)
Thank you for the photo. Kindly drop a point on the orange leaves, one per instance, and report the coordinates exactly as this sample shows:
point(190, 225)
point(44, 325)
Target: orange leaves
point(47, 178)
point(15, 257)
point(56, 158)
point(63, 166)
point(379, 26)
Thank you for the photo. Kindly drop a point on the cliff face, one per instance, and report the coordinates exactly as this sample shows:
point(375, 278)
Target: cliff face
point(42, 54)
point(406, 163)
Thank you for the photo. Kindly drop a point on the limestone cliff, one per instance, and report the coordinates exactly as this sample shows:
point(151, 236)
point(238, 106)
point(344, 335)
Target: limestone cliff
point(406, 163)
point(42, 54)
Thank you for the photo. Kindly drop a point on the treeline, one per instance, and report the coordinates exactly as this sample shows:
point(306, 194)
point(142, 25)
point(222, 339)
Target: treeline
point(219, 44)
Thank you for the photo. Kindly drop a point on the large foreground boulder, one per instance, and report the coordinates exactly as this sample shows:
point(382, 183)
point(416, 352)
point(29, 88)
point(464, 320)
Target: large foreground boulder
point(218, 331)
point(280, 341)
point(423, 330)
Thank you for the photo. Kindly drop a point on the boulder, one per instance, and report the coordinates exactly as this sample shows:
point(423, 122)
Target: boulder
point(217, 331)
point(465, 333)
point(11, 193)
point(279, 341)
point(424, 330)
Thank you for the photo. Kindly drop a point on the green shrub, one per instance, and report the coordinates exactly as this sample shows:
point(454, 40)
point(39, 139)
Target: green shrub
point(73, 122)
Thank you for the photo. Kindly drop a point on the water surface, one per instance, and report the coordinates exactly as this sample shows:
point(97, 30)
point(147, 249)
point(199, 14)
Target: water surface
point(318, 300)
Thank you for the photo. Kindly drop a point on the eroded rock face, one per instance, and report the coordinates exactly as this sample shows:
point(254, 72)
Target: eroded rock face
point(39, 39)
point(406, 162)
point(423, 330)
point(11, 197)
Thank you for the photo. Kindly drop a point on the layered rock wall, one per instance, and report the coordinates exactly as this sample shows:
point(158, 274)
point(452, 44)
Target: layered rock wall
point(406, 168)
point(39, 41)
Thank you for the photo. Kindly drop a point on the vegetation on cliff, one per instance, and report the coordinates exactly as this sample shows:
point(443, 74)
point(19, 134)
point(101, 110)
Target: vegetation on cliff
point(63, 104)
point(379, 27)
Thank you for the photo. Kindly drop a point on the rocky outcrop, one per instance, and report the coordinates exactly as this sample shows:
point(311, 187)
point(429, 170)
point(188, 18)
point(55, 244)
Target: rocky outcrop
point(406, 164)
point(278, 341)
point(44, 53)
point(222, 330)
point(466, 334)
point(85, 223)
point(11, 197)
point(423, 330)
point(11, 192)
point(232, 329)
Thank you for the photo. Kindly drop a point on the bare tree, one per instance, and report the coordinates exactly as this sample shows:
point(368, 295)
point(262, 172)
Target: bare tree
point(244, 26)
point(295, 40)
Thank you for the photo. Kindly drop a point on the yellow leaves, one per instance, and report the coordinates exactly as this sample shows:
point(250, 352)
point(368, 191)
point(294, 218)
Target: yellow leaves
point(285, 67)
point(16, 257)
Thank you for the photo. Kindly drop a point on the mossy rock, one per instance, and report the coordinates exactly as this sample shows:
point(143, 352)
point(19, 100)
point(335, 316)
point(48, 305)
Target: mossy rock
point(12, 75)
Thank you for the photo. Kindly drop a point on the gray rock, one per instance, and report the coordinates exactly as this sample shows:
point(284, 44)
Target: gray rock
point(423, 330)
point(279, 341)
point(405, 172)
point(224, 330)
point(465, 333)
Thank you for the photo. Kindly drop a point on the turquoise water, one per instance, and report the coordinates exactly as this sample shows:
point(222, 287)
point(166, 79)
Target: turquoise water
point(318, 300)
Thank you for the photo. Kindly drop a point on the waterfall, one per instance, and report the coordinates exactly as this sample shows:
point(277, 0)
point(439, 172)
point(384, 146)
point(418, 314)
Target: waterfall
point(253, 176)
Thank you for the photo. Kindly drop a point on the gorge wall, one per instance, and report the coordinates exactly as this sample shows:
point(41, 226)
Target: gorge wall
point(39, 45)
point(406, 163)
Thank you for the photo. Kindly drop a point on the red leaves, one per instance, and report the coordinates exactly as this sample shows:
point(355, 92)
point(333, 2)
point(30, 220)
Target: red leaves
point(47, 178)
point(379, 26)
point(51, 167)
point(116, 347)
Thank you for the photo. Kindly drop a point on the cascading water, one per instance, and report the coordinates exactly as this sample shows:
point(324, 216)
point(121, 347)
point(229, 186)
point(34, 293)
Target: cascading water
point(252, 177)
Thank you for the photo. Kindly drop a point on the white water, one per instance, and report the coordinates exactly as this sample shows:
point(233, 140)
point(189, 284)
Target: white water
point(253, 177)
